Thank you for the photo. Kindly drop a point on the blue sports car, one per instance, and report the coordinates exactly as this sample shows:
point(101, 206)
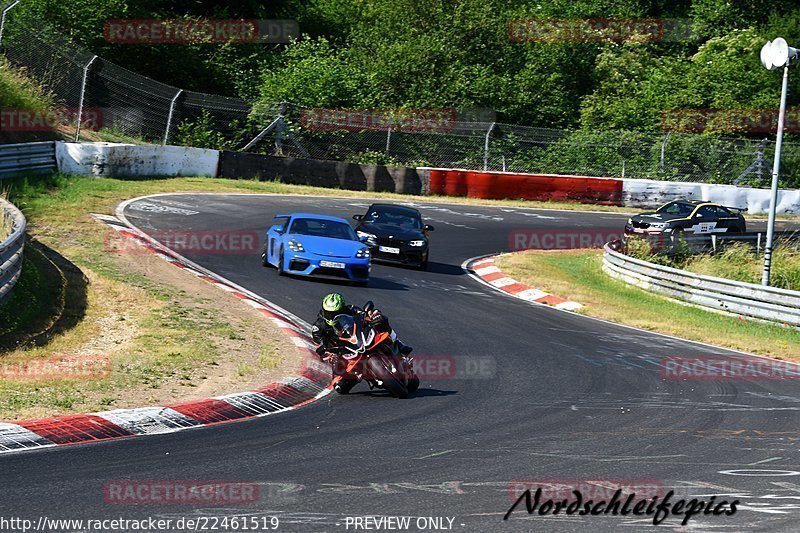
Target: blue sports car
point(316, 245)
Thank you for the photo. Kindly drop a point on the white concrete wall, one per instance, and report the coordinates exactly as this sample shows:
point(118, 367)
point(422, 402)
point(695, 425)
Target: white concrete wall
point(130, 160)
point(652, 193)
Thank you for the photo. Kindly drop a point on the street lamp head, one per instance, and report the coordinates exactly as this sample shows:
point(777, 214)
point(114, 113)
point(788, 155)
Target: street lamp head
point(777, 53)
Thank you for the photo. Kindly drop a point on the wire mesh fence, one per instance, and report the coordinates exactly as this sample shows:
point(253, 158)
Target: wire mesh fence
point(129, 106)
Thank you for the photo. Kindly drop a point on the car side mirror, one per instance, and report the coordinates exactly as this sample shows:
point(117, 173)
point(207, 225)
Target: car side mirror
point(358, 217)
point(277, 228)
point(428, 227)
point(363, 238)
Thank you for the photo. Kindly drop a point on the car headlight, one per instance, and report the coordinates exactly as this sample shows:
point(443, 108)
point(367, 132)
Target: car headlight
point(417, 243)
point(630, 222)
point(365, 235)
point(295, 246)
point(362, 253)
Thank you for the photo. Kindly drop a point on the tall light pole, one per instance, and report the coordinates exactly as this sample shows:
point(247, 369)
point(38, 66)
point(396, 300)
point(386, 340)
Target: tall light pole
point(776, 54)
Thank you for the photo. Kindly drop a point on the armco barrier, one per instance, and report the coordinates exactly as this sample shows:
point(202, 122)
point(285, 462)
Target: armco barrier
point(320, 173)
point(11, 249)
point(27, 158)
point(130, 160)
point(504, 185)
point(744, 299)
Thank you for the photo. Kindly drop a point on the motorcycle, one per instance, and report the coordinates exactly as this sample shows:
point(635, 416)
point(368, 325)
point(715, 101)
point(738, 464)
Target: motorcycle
point(371, 356)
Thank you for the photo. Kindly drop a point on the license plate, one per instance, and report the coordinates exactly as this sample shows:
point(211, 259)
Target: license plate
point(331, 264)
point(389, 250)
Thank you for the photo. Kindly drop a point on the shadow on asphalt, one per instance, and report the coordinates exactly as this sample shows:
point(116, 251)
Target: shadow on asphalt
point(374, 283)
point(433, 267)
point(421, 393)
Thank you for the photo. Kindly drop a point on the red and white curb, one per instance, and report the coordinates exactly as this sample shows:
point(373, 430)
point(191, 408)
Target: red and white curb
point(311, 383)
point(487, 270)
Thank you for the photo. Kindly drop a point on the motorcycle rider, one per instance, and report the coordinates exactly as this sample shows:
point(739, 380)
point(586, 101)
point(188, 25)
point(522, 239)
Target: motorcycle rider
point(325, 337)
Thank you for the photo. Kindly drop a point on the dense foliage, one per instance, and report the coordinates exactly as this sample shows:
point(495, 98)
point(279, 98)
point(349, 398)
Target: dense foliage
point(441, 53)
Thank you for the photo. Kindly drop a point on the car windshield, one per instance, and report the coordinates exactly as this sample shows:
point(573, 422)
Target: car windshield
point(404, 219)
point(676, 208)
point(323, 228)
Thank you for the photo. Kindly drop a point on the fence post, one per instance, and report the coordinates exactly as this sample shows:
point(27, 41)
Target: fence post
point(758, 244)
point(80, 102)
point(714, 243)
point(3, 19)
point(388, 139)
point(486, 147)
point(663, 150)
point(169, 116)
point(281, 125)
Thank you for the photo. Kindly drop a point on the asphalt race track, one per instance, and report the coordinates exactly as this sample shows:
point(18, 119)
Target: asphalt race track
point(565, 398)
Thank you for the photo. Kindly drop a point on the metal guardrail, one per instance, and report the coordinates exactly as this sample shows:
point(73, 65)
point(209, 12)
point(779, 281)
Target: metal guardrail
point(757, 240)
point(719, 294)
point(715, 242)
point(11, 249)
point(26, 158)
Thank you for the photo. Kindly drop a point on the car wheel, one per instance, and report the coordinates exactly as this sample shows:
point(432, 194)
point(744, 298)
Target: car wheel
point(264, 261)
point(281, 272)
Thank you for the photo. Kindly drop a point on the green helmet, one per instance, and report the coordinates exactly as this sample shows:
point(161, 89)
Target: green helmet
point(332, 305)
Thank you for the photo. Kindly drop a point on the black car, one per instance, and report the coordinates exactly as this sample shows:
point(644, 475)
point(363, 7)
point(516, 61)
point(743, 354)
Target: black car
point(687, 216)
point(395, 233)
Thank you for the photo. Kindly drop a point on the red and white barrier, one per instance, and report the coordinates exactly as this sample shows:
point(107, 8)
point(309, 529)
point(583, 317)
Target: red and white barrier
point(602, 191)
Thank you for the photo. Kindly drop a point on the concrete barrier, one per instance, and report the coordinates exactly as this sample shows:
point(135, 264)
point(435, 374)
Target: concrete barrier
point(653, 193)
point(131, 160)
point(128, 160)
point(513, 186)
point(320, 173)
point(608, 191)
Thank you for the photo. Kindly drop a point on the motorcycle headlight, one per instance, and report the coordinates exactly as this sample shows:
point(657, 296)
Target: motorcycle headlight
point(295, 246)
point(417, 243)
point(365, 235)
point(362, 253)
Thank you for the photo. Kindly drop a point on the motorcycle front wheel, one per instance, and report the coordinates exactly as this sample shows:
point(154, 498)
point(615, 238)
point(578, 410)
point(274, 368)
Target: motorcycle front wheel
point(381, 368)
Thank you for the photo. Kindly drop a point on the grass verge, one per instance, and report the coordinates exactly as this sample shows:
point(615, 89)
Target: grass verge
point(578, 276)
point(166, 336)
